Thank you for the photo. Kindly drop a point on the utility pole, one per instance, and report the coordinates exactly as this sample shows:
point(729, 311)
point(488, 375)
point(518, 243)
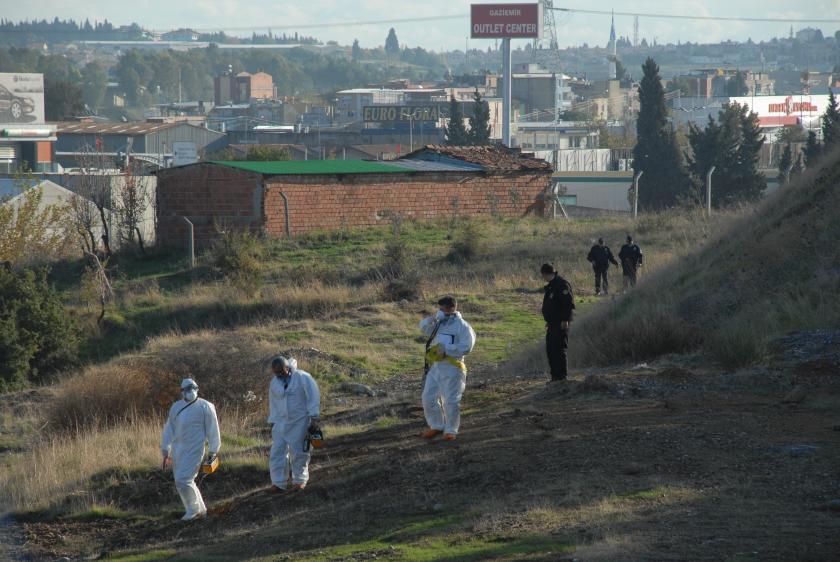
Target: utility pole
point(709, 191)
point(410, 133)
point(636, 193)
point(506, 91)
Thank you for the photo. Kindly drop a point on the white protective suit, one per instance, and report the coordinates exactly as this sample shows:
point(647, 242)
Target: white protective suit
point(445, 382)
point(290, 411)
point(189, 426)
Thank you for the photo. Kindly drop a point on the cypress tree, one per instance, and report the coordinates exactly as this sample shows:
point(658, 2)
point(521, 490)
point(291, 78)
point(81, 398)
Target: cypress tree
point(456, 134)
point(812, 150)
point(785, 162)
point(831, 124)
point(479, 121)
point(656, 154)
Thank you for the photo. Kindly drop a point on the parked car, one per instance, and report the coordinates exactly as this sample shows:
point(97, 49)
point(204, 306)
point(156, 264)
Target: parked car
point(16, 106)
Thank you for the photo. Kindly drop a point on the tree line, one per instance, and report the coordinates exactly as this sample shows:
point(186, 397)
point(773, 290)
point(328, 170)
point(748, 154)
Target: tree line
point(731, 143)
point(148, 77)
point(23, 32)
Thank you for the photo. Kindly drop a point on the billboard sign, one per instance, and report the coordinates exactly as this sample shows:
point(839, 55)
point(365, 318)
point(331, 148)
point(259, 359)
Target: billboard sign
point(777, 106)
point(396, 113)
point(807, 108)
point(21, 98)
point(500, 21)
point(184, 152)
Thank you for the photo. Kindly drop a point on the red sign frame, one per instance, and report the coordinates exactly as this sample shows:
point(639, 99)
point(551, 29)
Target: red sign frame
point(500, 21)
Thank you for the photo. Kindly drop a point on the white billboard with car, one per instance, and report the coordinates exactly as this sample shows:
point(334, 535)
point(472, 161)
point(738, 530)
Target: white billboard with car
point(21, 98)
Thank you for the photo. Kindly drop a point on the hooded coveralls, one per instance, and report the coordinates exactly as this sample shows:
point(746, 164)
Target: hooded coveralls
point(290, 407)
point(445, 381)
point(189, 426)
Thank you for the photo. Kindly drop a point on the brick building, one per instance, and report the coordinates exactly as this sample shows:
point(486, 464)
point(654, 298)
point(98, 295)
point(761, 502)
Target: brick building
point(243, 87)
point(431, 182)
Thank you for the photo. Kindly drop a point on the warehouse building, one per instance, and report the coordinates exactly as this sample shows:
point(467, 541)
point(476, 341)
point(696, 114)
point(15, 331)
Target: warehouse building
point(151, 141)
point(286, 198)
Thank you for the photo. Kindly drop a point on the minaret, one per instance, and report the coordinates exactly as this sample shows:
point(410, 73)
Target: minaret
point(611, 48)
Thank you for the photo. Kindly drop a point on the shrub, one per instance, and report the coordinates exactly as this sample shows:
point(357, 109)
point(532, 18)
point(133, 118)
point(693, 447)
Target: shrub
point(399, 268)
point(468, 243)
point(737, 345)
point(611, 336)
point(407, 287)
point(226, 366)
point(37, 336)
point(238, 257)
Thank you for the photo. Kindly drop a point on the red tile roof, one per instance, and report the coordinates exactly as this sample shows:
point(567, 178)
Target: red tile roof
point(492, 157)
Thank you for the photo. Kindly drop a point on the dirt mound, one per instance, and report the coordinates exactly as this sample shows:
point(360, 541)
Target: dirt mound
point(772, 272)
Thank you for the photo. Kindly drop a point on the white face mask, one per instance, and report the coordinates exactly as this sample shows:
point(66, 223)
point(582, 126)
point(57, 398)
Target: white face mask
point(190, 395)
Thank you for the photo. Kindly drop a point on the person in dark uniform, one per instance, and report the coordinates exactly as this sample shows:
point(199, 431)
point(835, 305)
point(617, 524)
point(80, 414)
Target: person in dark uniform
point(600, 257)
point(557, 309)
point(631, 260)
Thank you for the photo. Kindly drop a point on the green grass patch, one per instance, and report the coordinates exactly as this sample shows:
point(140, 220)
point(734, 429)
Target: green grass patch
point(11, 444)
point(150, 556)
point(239, 441)
point(386, 421)
point(450, 547)
point(646, 494)
point(102, 512)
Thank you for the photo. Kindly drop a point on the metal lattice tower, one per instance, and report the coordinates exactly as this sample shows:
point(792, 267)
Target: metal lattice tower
point(549, 32)
point(636, 32)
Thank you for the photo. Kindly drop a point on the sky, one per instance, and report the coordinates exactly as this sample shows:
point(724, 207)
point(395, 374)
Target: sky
point(572, 29)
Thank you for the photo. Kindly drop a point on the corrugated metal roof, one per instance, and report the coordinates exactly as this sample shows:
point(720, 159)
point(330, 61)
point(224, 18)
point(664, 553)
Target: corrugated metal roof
point(439, 166)
point(130, 128)
point(12, 187)
point(298, 167)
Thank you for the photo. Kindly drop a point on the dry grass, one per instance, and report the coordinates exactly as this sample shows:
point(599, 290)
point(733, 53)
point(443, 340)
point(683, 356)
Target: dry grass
point(59, 471)
point(766, 274)
point(60, 466)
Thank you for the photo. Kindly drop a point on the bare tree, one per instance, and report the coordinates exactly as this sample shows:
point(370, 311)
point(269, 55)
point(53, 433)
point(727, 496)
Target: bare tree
point(131, 204)
point(95, 185)
point(98, 283)
point(83, 217)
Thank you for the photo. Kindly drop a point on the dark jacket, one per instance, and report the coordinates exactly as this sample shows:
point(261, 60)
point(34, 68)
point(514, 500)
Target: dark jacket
point(558, 301)
point(631, 257)
point(601, 256)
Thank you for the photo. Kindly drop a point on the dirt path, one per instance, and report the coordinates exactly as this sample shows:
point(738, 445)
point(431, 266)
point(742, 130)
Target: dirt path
point(11, 540)
point(671, 461)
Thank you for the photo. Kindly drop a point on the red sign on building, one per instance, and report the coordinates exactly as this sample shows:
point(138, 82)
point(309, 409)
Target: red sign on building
point(498, 21)
point(789, 106)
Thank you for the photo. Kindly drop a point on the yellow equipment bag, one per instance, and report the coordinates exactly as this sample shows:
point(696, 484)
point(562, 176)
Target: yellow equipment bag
point(209, 467)
point(436, 353)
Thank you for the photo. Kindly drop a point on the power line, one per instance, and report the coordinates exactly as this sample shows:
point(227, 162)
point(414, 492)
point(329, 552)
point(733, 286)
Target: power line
point(566, 10)
point(705, 18)
point(335, 23)
point(465, 16)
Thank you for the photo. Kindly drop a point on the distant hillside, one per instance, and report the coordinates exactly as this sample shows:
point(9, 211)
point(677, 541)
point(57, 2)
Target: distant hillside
point(777, 270)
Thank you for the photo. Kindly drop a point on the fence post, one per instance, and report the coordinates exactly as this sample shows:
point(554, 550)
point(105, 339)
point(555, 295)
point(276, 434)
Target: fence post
point(709, 191)
point(636, 193)
point(191, 243)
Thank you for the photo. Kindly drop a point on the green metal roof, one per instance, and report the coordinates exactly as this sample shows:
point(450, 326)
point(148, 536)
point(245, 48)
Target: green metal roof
point(297, 167)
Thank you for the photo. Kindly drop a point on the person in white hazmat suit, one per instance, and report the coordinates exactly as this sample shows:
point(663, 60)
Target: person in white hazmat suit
point(192, 422)
point(294, 402)
point(450, 338)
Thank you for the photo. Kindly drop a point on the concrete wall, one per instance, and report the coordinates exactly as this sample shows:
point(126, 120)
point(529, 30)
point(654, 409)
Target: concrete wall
point(606, 190)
